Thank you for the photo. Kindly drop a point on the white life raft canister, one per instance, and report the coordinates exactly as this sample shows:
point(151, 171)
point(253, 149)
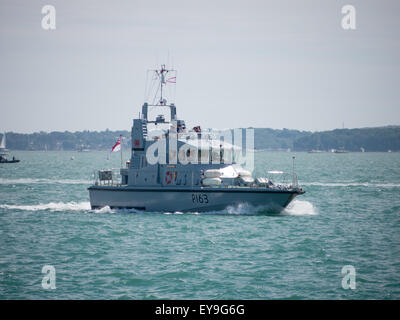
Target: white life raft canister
point(211, 182)
point(212, 173)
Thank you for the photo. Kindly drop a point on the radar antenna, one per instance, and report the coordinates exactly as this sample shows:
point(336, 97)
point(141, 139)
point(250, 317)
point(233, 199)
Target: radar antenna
point(163, 76)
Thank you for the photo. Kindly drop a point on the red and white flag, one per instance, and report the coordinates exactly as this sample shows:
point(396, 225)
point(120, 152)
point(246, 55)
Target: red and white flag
point(172, 80)
point(116, 146)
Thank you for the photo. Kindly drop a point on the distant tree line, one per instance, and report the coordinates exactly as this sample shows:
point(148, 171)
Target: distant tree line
point(274, 139)
point(369, 139)
point(80, 140)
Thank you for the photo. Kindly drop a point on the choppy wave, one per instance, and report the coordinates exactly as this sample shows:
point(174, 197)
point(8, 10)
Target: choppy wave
point(351, 184)
point(52, 206)
point(44, 181)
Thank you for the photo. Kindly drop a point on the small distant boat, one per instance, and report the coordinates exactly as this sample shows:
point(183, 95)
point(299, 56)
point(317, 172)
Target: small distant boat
point(340, 151)
point(5, 160)
point(4, 152)
point(82, 149)
point(316, 151)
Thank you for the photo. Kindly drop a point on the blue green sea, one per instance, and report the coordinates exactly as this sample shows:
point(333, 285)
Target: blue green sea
point(349, 215)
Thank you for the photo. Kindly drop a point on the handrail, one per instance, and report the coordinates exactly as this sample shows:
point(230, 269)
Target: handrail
point(108, 177)
point(113, 177)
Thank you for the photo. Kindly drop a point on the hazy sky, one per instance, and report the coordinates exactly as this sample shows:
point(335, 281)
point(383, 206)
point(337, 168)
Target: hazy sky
point(278, 64)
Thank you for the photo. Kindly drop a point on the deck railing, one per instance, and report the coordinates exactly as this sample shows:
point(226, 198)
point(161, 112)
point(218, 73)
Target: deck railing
point(282, 181)
point(107, 177)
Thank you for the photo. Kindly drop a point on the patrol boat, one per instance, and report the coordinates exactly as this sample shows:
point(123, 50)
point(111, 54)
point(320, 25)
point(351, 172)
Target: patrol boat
point(180, 170)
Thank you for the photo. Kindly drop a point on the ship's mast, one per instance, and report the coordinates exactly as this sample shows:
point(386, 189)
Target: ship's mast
point(162, 81)
point(163, 76)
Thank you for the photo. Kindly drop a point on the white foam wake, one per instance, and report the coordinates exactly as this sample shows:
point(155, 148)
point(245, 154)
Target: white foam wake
point(297, 207)
point(52, 206)
point(105, 209)
point(243, 208)
point(240, 209)
point(44, 181)
point(300, 208)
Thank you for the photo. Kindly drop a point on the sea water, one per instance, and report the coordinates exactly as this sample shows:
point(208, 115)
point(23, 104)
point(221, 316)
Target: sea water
point(349, 216)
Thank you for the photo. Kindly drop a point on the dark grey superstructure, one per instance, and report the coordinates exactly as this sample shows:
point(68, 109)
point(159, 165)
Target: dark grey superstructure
point(183, 170)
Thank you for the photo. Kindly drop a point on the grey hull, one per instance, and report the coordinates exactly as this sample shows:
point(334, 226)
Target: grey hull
point(184, 200)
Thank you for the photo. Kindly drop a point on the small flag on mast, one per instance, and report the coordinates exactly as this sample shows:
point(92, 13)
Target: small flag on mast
point(171, 80)
point(117, 146)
